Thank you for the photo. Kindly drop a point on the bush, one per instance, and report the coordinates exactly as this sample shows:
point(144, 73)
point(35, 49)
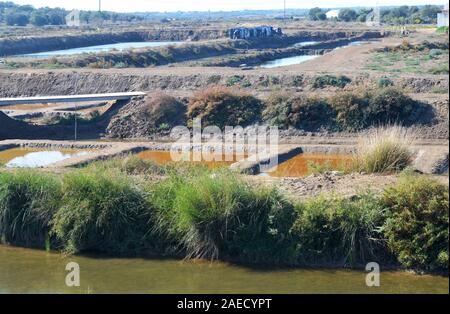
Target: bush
point(417, 227)
point(384, 149)
point(355, 111)
point(331, 80)
point(389, 105)
point(303, 112)
point(28, 201)
point(350, 110)
point(219, 216)
point(164, 110)
point(220, 106)
point(102, 212)
point(384, 82)
point(339, 231)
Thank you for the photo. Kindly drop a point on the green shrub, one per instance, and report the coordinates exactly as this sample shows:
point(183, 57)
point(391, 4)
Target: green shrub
point(216, 215)
point(28, 201)
point(220, 106)
point(350, 110)
point(130, 165)
point(417, 227)
point(331, 80)
point(384, 149)
point(102, 212)
point(384, 82)
point(339, 231)
point(389, 105)
point(296, 111)
point(163, 109)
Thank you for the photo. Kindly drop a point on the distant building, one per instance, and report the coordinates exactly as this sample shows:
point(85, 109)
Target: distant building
point(333, 14)
point(442, 18)
point(73, 18)
point(254, 32)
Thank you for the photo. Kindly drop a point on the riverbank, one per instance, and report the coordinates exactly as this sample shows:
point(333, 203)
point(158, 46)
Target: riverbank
point(131, 207)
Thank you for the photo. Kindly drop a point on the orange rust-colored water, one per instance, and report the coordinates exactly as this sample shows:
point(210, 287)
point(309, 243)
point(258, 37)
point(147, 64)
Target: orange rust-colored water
point(300, 165)
point(164, 157)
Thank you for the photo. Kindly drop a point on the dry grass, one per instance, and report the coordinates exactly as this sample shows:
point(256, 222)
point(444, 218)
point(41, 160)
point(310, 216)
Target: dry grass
point(385, 149)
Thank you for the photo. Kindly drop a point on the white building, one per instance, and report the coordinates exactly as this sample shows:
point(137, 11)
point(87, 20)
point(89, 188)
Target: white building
point(442, 18)
point(73, 18)
point(333, 14)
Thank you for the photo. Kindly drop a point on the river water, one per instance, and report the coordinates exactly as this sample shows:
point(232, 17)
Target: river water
point(35, 271)
point(99, 48)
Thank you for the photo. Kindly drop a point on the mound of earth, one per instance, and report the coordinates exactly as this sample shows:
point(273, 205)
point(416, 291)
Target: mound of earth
point(149, 117)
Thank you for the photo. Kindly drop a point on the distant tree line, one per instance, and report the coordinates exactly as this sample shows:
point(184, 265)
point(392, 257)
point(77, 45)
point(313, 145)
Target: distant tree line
point(397, 15)
point(12, 14)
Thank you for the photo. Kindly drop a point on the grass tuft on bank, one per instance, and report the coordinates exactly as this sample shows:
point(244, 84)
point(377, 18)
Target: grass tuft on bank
point(216, 214)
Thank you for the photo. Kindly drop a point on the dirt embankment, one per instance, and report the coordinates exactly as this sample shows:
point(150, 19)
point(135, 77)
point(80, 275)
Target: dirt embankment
point(26, 45)
point(64, 82)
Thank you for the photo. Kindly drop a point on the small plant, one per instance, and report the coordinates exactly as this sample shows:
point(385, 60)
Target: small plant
point(331, 80)
point(284, 110)
point(28, 201)
point(385, 149)
point(234, 80)
point(384, 82)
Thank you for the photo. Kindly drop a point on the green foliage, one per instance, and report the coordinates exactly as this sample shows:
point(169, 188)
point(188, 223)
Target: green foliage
point(384, 82)
point(28, 201)
point(102, 212)
point(350, 110)
point(339, 231)
point(417, 227)
point(389, 105)
point(219, 216)
point(316, 14)
point(331, 80)
point(220, 106)
point(284, 110)
point(384, 149)
point(162, 109)
point(347, 15)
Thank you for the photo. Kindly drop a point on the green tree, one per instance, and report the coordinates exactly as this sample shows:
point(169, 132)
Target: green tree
point(347, 15)
point(38, 19)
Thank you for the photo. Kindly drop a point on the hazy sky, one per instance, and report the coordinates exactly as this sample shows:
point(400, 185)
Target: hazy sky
point(213, 5)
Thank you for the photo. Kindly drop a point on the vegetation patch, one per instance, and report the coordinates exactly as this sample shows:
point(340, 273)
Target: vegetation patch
point(384, 150)
point(28, 201)
point(198, 213)
point(284, 110)
point(331, 80)
point(417, 227)
point(221, 106)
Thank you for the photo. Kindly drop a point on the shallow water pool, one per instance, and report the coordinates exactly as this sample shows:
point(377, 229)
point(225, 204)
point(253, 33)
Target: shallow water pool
point(35, 157)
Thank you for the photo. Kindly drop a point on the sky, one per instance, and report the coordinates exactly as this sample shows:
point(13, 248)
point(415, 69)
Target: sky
point(213, 5)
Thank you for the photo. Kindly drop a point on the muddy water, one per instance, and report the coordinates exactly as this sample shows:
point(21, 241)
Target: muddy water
point(300, 165)
point(100, 48)
point(163, 157)
point(34, 271)
point(35, 157)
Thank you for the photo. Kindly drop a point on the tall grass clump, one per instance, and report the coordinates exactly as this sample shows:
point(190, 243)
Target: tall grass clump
point(417, 228)
point(338, 231)
point(217, 215)
point(102, 212)
point(385, 149)
point(28, 201)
